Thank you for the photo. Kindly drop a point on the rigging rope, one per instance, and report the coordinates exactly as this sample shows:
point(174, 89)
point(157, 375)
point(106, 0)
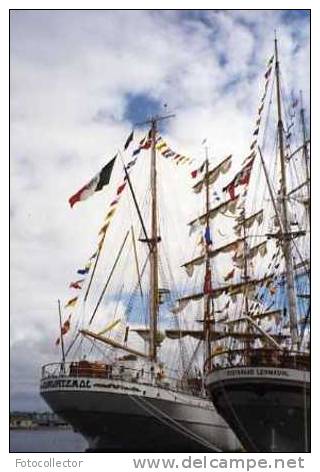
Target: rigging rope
point(167, 420)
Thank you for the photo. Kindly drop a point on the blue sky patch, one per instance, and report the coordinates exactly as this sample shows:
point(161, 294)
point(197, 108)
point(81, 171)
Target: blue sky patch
point(141, 107)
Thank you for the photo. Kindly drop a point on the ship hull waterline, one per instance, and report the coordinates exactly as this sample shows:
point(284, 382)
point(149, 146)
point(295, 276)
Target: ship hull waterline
point(117, 416)
point(268, 409)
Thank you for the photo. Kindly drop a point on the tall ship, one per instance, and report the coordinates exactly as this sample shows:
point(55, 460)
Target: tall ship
point(131, 374)
point(258, 371)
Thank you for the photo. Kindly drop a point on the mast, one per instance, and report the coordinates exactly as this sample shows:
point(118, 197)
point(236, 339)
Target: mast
point(286, 241)
point(245, 252)
point(245, 276)
point(154, 240)
point(207, 320)
point(154, 305)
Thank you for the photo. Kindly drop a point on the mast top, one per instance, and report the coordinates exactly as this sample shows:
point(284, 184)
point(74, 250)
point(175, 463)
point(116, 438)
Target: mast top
point(154, 119)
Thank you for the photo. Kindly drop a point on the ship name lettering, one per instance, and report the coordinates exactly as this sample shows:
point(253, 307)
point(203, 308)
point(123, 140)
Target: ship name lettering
point(258, 371)
point(275, 372)
point(240, 372)
point(66, 383)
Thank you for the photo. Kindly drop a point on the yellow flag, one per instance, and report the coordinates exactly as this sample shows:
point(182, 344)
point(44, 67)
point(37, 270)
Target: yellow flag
point(109, 327)
point(110, 213)
point(71, 302)
point(161, 145)
point(103, 229)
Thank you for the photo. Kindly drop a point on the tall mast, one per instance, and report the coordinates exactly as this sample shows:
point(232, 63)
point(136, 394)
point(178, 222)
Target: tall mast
point(246, 278)
point(245, 275)
point(286, 241)
point(245, 255)
point(207, 311)
point(153, 241)
point(154, 306)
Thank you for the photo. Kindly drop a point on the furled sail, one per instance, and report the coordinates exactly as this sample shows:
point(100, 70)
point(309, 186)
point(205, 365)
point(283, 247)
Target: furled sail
point(177, 333)
point(230, 205)
point(248, 222)
point(239, 258)
point(217, 335)
point(213, 174)
point(230, 289)
point(233, 246)
point(269, 315)
point(144, 333)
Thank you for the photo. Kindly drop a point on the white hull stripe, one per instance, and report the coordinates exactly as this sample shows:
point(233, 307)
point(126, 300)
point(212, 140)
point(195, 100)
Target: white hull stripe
point(258, 374)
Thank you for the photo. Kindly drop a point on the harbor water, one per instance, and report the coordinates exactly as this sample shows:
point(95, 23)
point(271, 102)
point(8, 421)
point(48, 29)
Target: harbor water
point(48, 440)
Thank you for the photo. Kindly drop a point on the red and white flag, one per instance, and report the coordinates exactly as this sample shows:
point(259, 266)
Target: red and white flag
point(241, 178)
point(95, 184)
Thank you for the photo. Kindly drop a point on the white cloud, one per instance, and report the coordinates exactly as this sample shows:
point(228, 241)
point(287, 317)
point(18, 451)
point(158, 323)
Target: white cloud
point(71, 73)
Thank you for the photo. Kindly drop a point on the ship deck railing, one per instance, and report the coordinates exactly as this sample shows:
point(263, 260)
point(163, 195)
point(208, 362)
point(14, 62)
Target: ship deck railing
point(140, 376)
point(258, 357)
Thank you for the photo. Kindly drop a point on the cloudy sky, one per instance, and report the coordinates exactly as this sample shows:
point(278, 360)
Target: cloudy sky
point(79, 80)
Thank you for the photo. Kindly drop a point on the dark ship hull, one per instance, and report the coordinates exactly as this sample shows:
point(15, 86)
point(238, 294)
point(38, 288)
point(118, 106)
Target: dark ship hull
point(267, 408)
